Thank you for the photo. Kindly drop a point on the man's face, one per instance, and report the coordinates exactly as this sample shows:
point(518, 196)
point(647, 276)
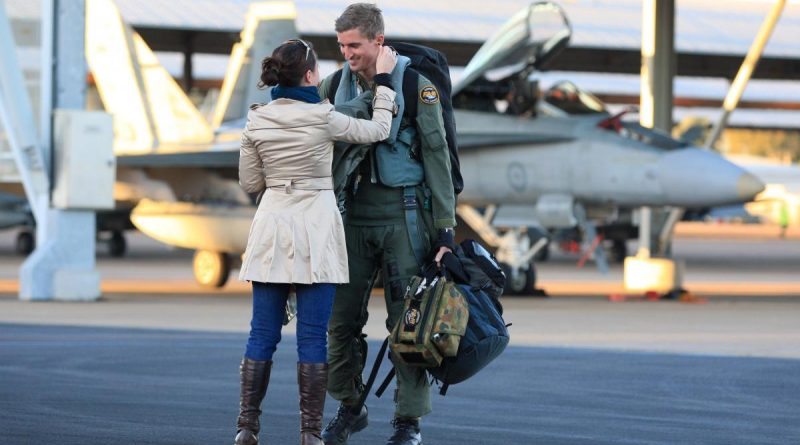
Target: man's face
point(359, 51)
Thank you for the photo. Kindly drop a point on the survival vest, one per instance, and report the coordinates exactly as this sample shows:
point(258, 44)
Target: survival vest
point(433, 65)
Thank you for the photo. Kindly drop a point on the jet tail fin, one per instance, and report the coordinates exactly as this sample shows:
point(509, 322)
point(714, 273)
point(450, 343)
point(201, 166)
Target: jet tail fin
point(268, 25)
point(151, 112)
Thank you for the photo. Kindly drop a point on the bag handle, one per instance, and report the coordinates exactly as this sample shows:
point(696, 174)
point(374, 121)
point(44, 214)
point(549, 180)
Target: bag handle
point(452, 266)
point(451, 270)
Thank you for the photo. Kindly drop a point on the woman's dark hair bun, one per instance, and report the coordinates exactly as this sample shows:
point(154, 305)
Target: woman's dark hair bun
point(270, 68)
point(288, 64)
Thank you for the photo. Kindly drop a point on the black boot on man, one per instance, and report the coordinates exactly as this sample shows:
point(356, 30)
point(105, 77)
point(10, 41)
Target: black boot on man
point(254, 377)
point(345, 423)
point(406, 432)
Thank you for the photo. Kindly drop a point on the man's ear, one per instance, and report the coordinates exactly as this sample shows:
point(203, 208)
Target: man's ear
point(379, 39)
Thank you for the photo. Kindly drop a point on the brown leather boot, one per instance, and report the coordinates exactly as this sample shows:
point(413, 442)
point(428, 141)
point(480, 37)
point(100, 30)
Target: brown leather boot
point(254, 376)
point(312, 378)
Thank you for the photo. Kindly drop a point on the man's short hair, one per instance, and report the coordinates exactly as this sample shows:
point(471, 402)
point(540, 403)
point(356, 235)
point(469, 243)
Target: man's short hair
point(366, 17)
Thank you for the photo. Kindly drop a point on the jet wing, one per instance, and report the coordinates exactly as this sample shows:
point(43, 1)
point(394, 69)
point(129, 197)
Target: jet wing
point(488, 140)
point(207, 159)
point(230, 158)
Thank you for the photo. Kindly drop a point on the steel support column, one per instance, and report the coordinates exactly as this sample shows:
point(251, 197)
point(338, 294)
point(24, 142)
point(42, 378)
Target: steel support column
point(63, 265)
point(746, 71)
point(188, 65)
point(658, 69)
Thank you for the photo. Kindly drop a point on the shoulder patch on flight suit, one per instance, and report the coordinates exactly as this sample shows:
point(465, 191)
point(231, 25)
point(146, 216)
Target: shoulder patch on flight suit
point(429, 95)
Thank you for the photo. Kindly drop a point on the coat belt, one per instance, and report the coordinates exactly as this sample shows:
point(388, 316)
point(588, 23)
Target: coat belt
point(290, 184)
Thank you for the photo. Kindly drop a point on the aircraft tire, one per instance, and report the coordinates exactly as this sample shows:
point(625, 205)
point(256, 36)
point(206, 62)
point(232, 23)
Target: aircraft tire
point(25, 243)
point(524, 283)
point(117, 246)
point(617, 251)
point(211, 269)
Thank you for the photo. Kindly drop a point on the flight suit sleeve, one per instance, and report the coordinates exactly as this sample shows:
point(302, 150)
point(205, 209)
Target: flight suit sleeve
point(435, 155)
point(251, 168)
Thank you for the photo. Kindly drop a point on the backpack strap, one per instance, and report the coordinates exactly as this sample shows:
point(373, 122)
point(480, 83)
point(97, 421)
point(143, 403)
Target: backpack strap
point(335, 80)
point(410, 203)
point(410, 87)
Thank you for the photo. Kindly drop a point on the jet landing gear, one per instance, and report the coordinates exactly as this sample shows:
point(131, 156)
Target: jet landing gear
point(616, 250)
point(117, 246)
point(519, 281)
point(115, 243)
point(513, 249)
point(25, 243)
point(211, 269)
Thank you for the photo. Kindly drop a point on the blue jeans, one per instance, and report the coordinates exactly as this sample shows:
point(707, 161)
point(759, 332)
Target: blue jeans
point(314, 305)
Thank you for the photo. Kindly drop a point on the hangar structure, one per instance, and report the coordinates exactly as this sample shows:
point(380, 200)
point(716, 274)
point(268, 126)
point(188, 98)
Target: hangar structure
point(607, 33)
point(657, 38)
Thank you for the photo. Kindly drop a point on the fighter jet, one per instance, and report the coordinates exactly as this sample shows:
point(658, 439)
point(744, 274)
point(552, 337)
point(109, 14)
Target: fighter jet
point(559, 160)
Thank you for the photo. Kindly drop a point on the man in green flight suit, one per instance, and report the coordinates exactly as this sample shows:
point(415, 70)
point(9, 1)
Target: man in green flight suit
point(400, 209)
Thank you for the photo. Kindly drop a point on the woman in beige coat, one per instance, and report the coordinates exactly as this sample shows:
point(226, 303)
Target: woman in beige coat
point(297, 236)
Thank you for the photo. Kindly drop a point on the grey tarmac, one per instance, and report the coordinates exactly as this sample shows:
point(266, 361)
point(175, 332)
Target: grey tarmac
point(155, 361)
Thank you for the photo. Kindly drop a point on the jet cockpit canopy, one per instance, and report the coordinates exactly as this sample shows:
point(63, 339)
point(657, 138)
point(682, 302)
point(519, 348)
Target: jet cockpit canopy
point(532, 37)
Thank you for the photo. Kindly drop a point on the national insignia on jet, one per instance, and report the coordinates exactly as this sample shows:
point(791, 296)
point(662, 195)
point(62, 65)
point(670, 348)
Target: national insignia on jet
point(429, 95)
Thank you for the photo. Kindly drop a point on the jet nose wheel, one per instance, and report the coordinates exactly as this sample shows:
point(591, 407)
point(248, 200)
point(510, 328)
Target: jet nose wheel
point(519, 282)
point(211, 269)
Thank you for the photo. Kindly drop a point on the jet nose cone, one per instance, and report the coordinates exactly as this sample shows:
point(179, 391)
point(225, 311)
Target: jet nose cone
point(692, 177)
point(748, 187)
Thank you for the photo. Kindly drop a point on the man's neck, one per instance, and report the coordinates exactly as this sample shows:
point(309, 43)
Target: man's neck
point(362, 78)
point(368, 75)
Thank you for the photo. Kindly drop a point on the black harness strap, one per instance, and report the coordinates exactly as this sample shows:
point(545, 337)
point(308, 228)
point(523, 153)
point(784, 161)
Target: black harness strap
point(372, 375)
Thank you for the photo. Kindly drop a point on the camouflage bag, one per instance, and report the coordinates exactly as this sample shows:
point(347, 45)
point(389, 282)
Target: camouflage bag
point(432, 324)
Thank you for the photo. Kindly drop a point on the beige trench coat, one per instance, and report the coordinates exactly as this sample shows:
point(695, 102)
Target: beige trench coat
point(297, 235)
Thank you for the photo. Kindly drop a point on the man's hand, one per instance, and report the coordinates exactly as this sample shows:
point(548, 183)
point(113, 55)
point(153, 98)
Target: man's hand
point(439, 254)
point(387, 58)
point(444, 244)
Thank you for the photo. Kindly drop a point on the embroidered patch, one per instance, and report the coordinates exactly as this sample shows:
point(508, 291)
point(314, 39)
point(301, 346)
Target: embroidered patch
point(410, 319)
point(429, 95)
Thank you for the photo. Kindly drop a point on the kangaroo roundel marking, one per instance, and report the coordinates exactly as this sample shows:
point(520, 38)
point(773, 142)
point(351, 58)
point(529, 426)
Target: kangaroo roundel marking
point(517, 178)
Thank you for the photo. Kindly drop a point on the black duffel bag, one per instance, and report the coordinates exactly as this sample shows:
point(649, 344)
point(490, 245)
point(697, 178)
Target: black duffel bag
point(478, 275)
point(481, 280)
